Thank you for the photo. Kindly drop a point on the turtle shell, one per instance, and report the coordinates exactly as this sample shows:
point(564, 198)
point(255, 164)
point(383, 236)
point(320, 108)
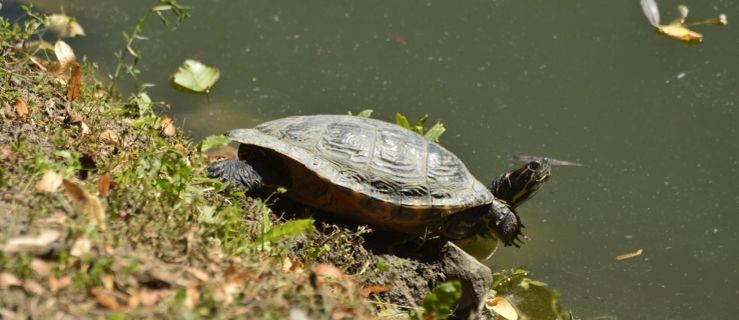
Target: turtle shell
point(369, 170)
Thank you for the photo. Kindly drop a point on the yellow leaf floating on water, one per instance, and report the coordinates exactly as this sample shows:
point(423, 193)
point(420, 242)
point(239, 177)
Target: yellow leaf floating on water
point(680, 32)
point(64, 25)
point(503, 307)
point(629, 255)
point(678, 29)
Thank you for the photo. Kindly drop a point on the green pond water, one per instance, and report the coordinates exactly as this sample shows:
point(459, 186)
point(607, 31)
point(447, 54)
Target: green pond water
point(654, 121)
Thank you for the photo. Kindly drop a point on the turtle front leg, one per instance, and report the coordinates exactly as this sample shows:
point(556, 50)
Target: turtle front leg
point(237, 173)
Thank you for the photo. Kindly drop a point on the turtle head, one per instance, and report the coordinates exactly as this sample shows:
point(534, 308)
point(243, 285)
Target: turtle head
point(515, 187)
point(502, 222)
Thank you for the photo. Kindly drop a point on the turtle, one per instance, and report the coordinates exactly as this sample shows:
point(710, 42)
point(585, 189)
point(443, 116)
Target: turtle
point(379, 174)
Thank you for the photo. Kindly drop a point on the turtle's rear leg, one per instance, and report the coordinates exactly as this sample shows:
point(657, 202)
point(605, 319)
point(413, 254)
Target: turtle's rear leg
point(237, 173)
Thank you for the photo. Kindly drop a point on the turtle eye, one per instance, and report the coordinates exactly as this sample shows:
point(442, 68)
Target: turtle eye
point(534, 165)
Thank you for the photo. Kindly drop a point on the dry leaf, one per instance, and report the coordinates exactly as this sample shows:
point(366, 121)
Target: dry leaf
point(109, 137)
point(377, 288)
point(64, 54)
point(85, 128)
point(41, 267)
point(75, 29)
point(168, 125)
point(327, 270)
point(50, 182)
point(104, 185)
point(80, 247)
point(37, 244)
point(90, 205)
point(629, 255)
point(21, 108)
point(75, 82)
point(503, 307)
point(289, 265)
point(148, 298)
point(59, 284)
point(8, 280)
point(41, 63)
point(32, 286)
point(198, 274)
point(64, 25)
point(192, 298)
point(680, 32)
point(106, 299)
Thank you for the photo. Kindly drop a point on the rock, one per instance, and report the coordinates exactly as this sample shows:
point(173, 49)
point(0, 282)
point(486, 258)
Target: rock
point(476, 278)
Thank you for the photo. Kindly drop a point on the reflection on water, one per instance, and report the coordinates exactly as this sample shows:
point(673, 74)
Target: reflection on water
point(654, 121)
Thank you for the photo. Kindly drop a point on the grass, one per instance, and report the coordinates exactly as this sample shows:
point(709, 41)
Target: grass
point(170, 245)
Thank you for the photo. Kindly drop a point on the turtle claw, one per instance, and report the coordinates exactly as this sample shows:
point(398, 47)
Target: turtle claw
point(236, 173)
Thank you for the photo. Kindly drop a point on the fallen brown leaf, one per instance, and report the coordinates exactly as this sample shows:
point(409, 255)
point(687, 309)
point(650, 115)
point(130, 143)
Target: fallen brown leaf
point(85, 128)
point(327, 270)
point(106, 299)
point(367, 290)
point(80, 247)
point(192, 297)
point(629, 255)
point(503, 307)
point(64, 54)
point(59, 284)
point(148, 298)
point(109, 137)
point(50, 182)
point(41, 267)
point(35, 244)
point(168, 125)
point(89, 205)
point(41, 63)
point(75, 82)
point(290, 265)
point(8, 280)
point(21, 108)
point(104, 185)
point(32, 286)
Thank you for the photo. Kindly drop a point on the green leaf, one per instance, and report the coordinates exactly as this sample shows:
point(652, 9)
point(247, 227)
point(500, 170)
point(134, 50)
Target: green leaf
point(402, 121)
point(418, 127)
point(195, 76)
point(215, 141)
point(367, 113)
point(284, 231)
point(442, 300)
point(435, 132)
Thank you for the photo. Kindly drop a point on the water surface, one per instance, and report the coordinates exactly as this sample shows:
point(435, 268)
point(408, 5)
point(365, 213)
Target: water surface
point(653, 120)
